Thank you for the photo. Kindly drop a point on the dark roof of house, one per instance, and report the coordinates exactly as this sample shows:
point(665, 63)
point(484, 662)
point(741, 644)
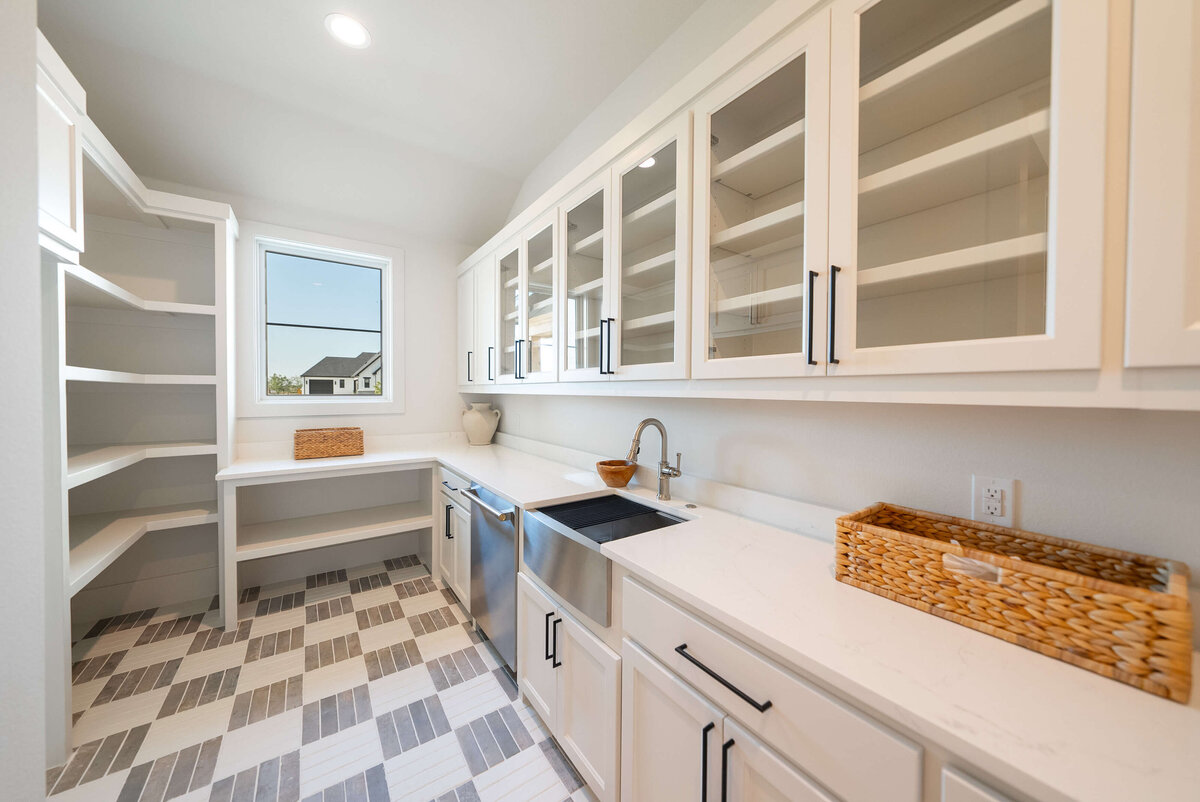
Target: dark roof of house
point(342, 366)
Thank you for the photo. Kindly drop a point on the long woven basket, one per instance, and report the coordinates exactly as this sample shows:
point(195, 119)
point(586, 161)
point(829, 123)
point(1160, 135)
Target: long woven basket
point(341, 441)
point(1122, 615)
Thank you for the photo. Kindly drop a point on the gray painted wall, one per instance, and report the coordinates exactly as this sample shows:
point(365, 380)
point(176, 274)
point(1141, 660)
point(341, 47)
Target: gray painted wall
point(22, 494)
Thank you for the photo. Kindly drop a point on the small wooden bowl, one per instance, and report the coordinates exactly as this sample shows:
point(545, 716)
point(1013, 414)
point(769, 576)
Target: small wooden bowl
point(616, 472)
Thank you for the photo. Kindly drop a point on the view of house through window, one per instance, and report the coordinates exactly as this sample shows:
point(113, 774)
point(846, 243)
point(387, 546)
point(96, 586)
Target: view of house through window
point(324, 324)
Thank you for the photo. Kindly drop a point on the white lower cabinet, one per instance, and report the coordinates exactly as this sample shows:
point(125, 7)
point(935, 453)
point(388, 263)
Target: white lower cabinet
point(751, 772)
point(572, 680)
point(452, 553)
point(670, 735)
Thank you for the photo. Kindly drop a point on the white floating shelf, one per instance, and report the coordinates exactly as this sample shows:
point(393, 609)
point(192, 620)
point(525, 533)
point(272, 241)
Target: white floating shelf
point(591, 246)
point(88, 463)
point(89, 289)
point(542, 265)
point(512, 282)
point(740, 302)
point(586, 287)
point(1006, 51)
point(653, 271)
point(77, 374)
point(98, 539)
point(964, 266)
point(648, 325)
point(996, 158)
point(512, 315)
point(648, 223)
point(767, 165)
point(768, 233)
point(540, 305)
point(317, 531)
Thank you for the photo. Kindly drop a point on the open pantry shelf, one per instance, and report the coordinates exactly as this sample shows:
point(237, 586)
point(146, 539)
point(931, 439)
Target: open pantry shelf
point(964, 266)
point(768, 233)
point(762, 168)
point(95, 375)
point(98, 539)
point(271, 538)
point(90, 462)
point(88, 289)
point(1000, 54)
point(999, 157)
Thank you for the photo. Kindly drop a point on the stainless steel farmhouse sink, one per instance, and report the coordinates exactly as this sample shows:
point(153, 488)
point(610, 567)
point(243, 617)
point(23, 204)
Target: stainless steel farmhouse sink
point(561, 545)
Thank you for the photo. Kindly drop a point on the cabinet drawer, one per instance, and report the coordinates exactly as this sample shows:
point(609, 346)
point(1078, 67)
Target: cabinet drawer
point(958, 787)
point(453, 482)
point(850, 754)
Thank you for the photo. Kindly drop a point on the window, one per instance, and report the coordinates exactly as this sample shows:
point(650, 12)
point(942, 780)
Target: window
point(323, 321)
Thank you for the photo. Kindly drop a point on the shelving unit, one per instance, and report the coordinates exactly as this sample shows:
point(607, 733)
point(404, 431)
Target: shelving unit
point(755, 171)
point(964, 266)
point(769, 233)
point(95, 375)
point(330, 529)
point(648, 223)
point(86, 463)
point(98, 539)
point(85, 288)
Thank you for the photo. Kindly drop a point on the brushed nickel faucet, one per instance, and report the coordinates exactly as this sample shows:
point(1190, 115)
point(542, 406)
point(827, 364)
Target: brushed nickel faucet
point(665, 471)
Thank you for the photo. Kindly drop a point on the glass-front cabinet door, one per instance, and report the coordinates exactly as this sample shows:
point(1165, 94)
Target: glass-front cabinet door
point(965, 236)
point(760, 237)
point(646, 334)
point(508, 291)
point(537, 352)
point(585, 232)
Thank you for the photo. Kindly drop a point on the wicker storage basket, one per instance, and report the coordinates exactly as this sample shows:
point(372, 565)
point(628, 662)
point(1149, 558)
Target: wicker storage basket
point(343, 441)
point(1122, 615)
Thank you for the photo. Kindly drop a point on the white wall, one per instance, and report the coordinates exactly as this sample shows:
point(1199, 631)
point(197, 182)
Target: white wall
point(23, 476)
point(1120, 478)
point(702, 33)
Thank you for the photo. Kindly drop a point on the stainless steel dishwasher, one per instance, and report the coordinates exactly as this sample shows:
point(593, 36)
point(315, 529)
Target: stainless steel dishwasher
point(494, 570)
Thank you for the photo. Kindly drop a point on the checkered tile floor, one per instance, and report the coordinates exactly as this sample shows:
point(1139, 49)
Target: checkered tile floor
point(362, 684)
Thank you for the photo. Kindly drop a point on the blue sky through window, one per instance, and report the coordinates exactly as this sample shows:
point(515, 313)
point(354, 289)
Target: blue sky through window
point(307, 292)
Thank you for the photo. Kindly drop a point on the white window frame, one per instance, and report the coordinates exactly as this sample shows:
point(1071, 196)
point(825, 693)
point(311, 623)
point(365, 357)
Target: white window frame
point(253, 400)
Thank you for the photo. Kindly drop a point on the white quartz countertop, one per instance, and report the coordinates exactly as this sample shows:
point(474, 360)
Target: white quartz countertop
point(1049, 729)
point(522, 479)
point(1052, 730)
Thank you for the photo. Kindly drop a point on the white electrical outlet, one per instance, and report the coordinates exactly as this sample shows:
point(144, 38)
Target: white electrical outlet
point(993, 500)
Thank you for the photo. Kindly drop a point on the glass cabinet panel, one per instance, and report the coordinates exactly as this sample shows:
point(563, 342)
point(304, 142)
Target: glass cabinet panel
point(538, 350)
point(756, 268)
point(648, 259)
point(585, 280)
point(510, 312)
point(953, 170)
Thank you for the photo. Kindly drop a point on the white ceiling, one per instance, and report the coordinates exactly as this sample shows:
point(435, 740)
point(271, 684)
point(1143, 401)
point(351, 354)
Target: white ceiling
point(431, 129)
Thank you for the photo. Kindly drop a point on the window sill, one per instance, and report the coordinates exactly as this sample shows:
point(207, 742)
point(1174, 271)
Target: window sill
point(313, 406)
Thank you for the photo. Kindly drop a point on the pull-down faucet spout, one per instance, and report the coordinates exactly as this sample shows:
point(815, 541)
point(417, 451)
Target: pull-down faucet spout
point(665, 471)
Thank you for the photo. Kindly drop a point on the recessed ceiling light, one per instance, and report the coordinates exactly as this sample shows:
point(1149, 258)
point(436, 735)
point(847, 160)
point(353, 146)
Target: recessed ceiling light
point(648, 163)
point(348, 31)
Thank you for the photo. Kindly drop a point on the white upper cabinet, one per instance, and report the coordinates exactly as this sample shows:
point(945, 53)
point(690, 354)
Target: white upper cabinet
point(466, 360)
point(1163, 303)
point(537, 358)
point(508, 323)
point(647, 333)
point(484, 362)
point(60, 106)
point(761, 177)
point(584, 228)
point(967, 185)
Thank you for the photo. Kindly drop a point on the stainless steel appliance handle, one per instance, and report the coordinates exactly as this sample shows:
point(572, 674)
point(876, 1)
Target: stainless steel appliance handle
point(488, 508)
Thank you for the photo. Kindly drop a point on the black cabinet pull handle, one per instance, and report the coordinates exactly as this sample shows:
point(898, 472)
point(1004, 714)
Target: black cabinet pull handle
point(833, 271)
point(725, 747)
point(549, 654)
point(555, 663)
point(491, 348)
point(517, 360)
point(611, 321)
point(760, 707)
point(603, 323)
point(808, 337)
point(449, 536)
point(704, 760)
point(469, 355)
